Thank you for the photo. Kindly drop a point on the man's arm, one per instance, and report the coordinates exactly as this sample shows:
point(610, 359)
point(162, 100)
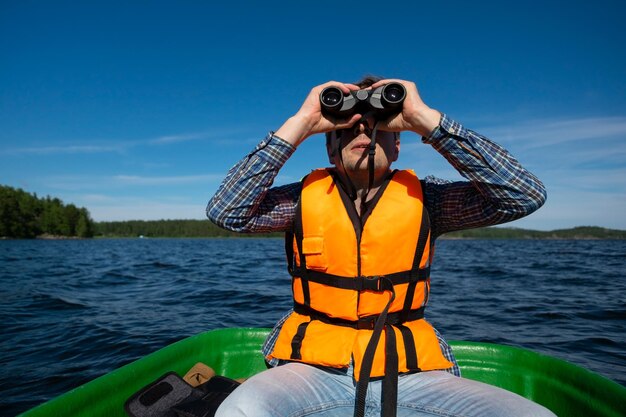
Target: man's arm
point(499, 189)
point(245, 202)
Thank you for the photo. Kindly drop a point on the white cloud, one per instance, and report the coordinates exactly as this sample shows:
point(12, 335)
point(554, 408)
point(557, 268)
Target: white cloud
point(82, 182)
point(170, 180)
point(145, 209)
point(110, 207)
point(178, 138)
point(119, 145)
point(602, 179)
point(70, 149)
point(564, 210)
point(547, 132)
point(96, 198)
point(582, 162)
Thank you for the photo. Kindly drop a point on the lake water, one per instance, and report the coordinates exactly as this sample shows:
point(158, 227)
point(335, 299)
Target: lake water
point(72, 310)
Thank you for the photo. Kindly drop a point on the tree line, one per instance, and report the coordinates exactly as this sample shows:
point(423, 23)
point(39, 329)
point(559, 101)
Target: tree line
point(580, 232)
point(204, 228)
point(167, 228)
point(24, 215)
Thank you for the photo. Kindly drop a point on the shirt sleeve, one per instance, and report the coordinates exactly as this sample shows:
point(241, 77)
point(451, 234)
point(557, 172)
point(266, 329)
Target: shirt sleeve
point(499, 189)
point(246, 202)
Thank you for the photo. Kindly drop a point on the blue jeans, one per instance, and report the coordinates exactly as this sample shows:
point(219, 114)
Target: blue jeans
point(296, 390)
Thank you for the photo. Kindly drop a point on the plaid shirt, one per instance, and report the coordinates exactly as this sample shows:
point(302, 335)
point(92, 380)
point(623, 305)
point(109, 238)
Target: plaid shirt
point(498, 189)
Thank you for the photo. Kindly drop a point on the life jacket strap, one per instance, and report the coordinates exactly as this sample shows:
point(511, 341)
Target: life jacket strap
point(363, 323)
point(372, 283)
point(389, 392)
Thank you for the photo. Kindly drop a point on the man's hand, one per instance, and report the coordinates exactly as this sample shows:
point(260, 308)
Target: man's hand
point(416, 116)
point(309, 120)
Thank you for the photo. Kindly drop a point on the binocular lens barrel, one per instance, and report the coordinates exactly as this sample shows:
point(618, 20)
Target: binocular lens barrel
point(393, 93)
point(332, 97)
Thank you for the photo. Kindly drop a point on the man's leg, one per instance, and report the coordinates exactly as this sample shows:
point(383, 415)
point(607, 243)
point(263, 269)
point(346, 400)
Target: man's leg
point(439, 393)
point(292, 390)
point(298, 390)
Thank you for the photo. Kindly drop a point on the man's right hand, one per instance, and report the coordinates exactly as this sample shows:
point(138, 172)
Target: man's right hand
point(415, 116)
point(309, 120)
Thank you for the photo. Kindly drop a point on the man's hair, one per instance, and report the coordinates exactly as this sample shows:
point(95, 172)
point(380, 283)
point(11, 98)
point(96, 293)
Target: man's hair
point(367, 81)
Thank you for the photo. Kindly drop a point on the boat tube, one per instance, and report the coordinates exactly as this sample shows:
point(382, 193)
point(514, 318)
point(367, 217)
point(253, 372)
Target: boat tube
point(566, 389)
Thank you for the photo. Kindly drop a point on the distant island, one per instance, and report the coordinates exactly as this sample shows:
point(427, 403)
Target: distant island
point(581, 232)
point(26, 216)
point(204, 228)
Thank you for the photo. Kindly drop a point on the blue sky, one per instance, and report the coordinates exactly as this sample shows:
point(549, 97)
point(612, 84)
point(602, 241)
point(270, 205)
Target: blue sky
point(137, 109)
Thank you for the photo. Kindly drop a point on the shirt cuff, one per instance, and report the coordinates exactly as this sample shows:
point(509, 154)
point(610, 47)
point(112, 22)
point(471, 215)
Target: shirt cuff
point(272, 136)
point(273, 149)
point(446, 128)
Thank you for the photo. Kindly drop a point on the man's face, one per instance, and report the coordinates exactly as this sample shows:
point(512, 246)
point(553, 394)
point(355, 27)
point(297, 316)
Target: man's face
point(354, 148)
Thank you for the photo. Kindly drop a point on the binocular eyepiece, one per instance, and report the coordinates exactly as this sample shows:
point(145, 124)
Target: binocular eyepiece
point(383, 101)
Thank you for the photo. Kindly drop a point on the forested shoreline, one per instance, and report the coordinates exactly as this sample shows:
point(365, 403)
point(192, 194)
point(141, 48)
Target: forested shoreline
point(581, 232)
point(204, 228)
point(168, 228)
point(26, 216)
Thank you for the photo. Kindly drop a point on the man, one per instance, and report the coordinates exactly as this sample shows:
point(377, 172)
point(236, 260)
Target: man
point(359, 245)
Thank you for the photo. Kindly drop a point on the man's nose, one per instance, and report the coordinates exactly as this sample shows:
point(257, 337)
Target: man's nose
point(363, 126)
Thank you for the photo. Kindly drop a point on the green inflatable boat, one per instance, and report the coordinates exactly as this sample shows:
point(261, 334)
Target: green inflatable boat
point(566, 389)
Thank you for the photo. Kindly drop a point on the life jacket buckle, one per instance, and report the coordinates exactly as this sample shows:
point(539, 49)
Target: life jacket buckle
point(366, 323)
point(373, 283)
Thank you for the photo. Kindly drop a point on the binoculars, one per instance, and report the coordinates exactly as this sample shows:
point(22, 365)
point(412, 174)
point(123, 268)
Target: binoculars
point(382, 102)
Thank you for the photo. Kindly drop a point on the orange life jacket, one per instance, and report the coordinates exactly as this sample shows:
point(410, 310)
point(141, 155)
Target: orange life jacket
point(349, 271)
